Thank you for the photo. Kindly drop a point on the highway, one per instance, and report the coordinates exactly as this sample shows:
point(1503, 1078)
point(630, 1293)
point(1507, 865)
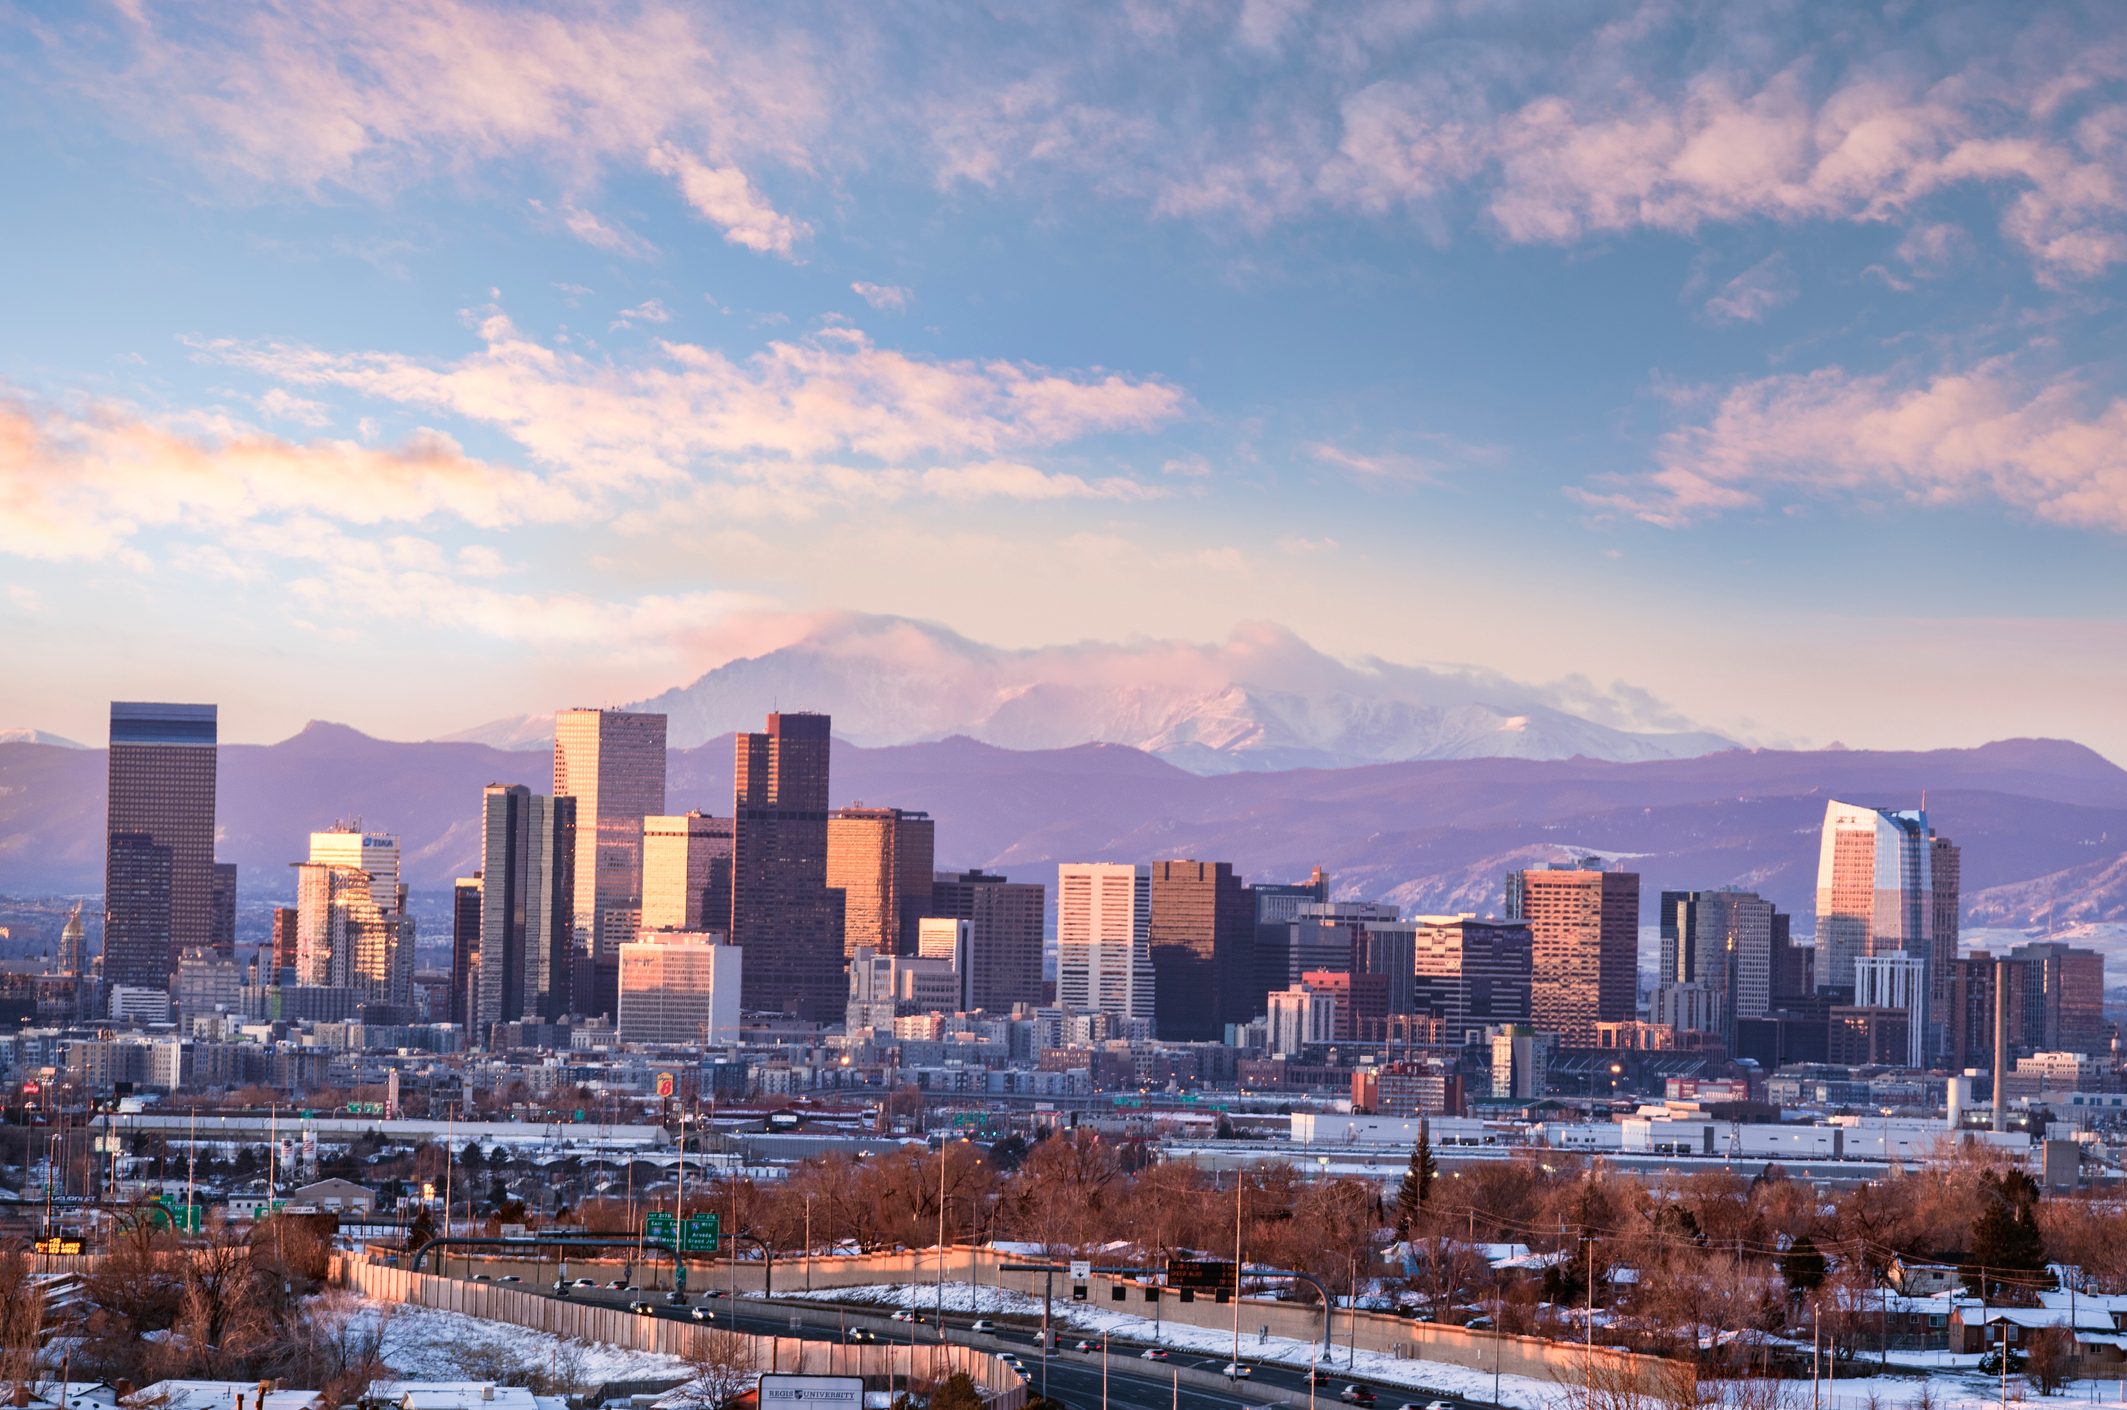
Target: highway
point(1073, 1378)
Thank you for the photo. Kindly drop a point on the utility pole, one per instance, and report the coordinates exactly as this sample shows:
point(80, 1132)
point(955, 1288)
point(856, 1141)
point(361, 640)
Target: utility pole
point(1240, 1178)
point(944, 1149)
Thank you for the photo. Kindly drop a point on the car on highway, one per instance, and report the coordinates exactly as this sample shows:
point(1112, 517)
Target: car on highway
point(620, 1285)
point(709, 1294)
point(1153, 1353)
point(1011, 1358)
point(509, 1278)
point(587, 1282)
point(860, 1334)
point(1440, 1405)
point(982, 1324)
point(1316, 1376)
point(701, 1314)
point(643, 1309)
point(1083, 1344)
point(1356, 1395)
point(1237, 1370)
point(902, 1314)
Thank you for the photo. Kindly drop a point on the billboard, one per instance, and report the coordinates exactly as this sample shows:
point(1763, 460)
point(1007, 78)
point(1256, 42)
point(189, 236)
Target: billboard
point(1200, 1274)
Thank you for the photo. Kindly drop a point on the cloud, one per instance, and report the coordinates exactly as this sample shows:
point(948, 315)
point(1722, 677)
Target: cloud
point(888, 298)
point(832, 393)
point(648, 311)
point(724, 196)
point(1755, 292)
point(1559, 134)
point(1987, 433)
point(370, 96)
point(1383, 468)
point(86, 483)
point(282, 406)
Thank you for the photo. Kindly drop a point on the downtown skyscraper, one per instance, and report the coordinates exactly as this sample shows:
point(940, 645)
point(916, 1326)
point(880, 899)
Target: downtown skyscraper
point(527, 910)
point(1104, 939)
point(880, 859)
point(1584, 941)
point(782, 912)
point(613, 764)
point(1202, 938)
point(1875, 888)
point(158, 878)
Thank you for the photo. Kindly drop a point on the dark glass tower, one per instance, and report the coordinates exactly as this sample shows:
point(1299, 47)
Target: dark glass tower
point(158, 885)
point(782, 913)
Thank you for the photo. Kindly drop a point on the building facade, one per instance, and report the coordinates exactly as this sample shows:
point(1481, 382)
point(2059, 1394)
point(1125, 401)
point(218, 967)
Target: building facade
point(1104, 939)
point(612, 763)
point(1005, 920)
point(527, 907)
point(1202, 941)
point(1473, 973)
point(782, 912)
point(1723, 940)
point(1875, 893)
point(687, 872)
point(1584, 948)
point(680, 989)
point(882, 861)
point(158, 839)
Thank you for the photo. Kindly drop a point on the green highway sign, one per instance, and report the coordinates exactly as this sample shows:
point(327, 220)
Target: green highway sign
point(702, 1234)
point(657, 1226)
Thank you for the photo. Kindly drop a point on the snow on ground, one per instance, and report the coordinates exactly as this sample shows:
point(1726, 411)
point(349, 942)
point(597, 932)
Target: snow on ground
point(427, 1343)
point(1953, 1383)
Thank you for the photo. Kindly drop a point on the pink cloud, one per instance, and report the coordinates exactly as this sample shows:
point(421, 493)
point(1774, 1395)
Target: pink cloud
point(1986, 433)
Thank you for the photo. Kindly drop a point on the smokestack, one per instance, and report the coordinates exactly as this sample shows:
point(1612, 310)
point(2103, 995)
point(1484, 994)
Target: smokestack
point(2001, 1045)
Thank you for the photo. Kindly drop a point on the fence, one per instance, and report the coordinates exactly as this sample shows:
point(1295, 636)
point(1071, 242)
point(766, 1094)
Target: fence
point(877, 1362)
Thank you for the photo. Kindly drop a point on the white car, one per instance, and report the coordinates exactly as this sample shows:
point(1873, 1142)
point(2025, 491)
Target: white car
point(982, 1324)
point(903, 1315)
point(1237, 1370)
point(1440, 1405)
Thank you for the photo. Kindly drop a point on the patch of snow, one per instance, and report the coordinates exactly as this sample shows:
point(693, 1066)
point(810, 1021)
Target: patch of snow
point(428, 1344)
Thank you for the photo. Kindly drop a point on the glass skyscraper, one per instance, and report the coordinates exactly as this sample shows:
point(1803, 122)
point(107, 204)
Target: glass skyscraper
point(158, 886)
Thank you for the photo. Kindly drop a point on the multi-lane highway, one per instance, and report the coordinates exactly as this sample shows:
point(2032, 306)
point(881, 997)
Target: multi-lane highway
point(1080, 1380)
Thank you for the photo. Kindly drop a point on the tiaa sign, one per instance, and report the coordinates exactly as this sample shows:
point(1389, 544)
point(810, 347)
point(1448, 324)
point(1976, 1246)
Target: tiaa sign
point(821, 1392)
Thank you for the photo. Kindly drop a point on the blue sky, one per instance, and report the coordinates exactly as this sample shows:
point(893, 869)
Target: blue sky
point(412, 364)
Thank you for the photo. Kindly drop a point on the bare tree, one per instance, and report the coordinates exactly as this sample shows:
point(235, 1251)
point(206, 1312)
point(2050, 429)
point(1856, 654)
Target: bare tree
point(724, 1367)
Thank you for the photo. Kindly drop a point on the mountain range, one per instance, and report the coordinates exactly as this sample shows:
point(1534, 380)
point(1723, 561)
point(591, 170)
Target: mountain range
point(2043, 823)
point(1262, 700)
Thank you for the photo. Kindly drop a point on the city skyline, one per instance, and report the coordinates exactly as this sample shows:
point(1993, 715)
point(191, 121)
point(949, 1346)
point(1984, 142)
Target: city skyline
point(1693, 328)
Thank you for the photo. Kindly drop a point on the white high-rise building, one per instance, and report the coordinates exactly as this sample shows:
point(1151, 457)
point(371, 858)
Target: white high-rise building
point(1299, 1018)
point(1900, 982)
point(1875, 888)
point(679, 989)
point(1104, 938)
point(940, 938)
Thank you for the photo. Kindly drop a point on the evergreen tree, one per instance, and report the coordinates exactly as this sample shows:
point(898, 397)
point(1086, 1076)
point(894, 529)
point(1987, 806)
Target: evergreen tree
point(2008, 1251)
point(1803, 1265)
point(1417, 1184)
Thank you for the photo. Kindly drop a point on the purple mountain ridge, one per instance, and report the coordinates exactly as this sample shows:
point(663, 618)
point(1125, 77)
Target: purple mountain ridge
point(2043, 823)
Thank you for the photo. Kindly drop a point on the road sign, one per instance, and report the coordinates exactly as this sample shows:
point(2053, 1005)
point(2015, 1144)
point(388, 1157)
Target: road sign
point(58, 1245)
point(702, 1233)
point(1200, 1274)
point(812, 1392)
point(1081, 1269)
point(658, 1226)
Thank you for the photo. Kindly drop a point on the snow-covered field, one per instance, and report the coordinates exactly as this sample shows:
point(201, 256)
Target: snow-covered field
point(1946, 1387)
point(425, 1343)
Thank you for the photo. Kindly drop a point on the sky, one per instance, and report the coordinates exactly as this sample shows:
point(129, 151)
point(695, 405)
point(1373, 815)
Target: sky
point(411, 363)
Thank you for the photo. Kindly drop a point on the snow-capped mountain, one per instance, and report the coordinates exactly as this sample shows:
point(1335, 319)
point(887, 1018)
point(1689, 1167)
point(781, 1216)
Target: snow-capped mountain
point(1264, 699)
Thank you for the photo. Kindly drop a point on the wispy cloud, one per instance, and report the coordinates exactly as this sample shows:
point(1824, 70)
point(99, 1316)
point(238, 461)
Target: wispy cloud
point(1989, 432)
point(1754, 293)
point(887, 298)
point(834, 392)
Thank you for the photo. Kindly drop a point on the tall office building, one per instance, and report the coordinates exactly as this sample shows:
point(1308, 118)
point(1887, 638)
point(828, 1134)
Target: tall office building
point(1584, 948)
point(352, 930)
point(465, 946)
point(1723, 940)
point(221, 933)
point(1277, 906)
point(881, 860)
point(1895, 982)
point(527, 907)
point(687, 873)
point(1104, 939)
point(1005, 922)
point(1321, 936)
point(946, 939)
point(1946, 876)
point(1203, 950)
point(1388, 950)
point(782, 912)
point(158, 839)
point(613, 764)
point(1473, 973)
point(680, 989)
point(1875, 892)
